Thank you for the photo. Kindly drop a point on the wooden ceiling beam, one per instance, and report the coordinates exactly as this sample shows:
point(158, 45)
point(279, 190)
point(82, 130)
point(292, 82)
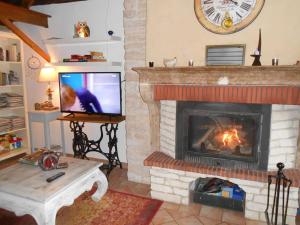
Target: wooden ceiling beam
point(47, 2)
point(27, 3)
point(20, 14)
point(25, 38)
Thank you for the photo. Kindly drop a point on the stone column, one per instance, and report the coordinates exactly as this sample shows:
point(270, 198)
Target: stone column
point(137, 115)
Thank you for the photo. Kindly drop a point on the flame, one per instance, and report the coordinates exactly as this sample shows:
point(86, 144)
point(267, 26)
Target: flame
point(230, 136)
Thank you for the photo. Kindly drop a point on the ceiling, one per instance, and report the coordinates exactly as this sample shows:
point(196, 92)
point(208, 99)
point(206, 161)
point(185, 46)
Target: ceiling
point(38, 2)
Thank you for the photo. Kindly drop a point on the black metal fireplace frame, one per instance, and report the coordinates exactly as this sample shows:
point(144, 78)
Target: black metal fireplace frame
point(260, 159)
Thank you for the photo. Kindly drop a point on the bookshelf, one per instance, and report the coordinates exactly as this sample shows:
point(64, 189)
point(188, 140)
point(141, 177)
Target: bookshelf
point(13, 108)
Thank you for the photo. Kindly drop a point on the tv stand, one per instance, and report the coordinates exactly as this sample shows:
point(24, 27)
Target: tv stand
point(71, 115)
point(82, 145)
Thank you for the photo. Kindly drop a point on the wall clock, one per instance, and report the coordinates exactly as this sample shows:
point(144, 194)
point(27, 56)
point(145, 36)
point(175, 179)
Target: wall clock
point(34, 63)
point(227, 16)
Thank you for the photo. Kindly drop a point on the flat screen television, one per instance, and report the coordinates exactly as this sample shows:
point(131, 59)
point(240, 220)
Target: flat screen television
point(90, 92)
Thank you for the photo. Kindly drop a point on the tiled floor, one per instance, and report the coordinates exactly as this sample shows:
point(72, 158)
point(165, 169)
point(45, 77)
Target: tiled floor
point(174, 214)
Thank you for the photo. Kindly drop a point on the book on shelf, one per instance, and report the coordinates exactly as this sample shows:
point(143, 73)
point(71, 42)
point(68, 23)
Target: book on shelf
point(33, 158)
point(75, 60)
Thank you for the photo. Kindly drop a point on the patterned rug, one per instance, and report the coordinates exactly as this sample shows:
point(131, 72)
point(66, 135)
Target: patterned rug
point(115, 208)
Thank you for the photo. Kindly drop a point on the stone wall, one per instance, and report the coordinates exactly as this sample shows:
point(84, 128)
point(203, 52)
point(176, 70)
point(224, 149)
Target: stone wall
point(174, 186)
point(283, 136)
point(137, 115)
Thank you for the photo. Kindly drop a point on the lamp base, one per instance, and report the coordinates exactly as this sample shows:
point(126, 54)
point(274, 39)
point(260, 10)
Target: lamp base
point(46, 106)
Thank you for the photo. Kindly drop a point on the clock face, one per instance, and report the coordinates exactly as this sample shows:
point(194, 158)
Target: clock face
point(34, 63)
point(227, 16)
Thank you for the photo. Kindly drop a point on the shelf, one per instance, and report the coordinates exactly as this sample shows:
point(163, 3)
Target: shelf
point(11, 85)
point(105, 64)
point(81, 41)
point(11, 108)
point(11, 62)
point(8, 39)
point(12, 131)
point(12, 153)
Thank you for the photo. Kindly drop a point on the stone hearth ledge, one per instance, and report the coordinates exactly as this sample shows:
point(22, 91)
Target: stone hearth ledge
point(162, 160)
point(171, 180)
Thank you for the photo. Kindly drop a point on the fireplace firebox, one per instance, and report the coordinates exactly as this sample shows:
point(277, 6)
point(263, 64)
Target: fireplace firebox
point(223, 134)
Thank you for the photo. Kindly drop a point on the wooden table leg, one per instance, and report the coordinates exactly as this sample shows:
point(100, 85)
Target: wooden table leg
point(102, 187)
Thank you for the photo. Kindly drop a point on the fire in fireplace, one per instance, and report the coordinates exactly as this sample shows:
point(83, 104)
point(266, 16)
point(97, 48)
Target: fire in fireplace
point(223, 134)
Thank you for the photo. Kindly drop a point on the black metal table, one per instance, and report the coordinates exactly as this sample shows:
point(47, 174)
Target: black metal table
point(82, 145)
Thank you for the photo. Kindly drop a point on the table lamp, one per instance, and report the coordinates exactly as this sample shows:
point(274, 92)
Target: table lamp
point(48, 75)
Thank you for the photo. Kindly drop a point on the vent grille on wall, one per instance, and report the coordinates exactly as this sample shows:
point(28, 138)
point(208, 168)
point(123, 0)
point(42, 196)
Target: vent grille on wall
point(225, 55)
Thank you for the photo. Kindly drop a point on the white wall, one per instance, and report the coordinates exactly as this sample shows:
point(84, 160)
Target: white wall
point(101, 16)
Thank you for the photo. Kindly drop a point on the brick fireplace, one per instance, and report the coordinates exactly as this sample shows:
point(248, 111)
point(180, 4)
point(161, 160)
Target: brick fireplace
point(161, 88)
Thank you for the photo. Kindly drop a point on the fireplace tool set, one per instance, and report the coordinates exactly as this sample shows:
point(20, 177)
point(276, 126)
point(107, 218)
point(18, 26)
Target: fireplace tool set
point(281, 182)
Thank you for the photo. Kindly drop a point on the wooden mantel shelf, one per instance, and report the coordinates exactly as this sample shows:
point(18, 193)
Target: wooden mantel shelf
point(210, 75)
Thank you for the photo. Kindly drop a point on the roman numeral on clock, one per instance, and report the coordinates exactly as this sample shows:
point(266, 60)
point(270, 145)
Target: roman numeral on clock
point(210, 11)
point(208, 2)
point(217, 18)
point(245, 6)
point(239, 15)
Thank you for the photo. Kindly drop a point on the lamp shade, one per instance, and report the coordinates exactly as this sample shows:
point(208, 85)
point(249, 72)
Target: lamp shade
point(47, 74)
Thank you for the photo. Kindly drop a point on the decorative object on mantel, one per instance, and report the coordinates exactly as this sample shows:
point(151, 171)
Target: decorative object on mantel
point(170, 62)
point(275, 61)
point(257, 52)
point(298, 63)
point(191, 62)
point(223, 55)
point(151, 64)
point(281, 182)
point(227, 16)
point(81, 30)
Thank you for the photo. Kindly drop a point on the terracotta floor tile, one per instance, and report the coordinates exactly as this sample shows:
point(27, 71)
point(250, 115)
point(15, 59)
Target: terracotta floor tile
point(184, 211)
point(170, 223)
point(161, 217)
point(170, 205)
point(191, 220)
point(211, 212)
point(233, 217)
point(254, 222)
point(208, 221)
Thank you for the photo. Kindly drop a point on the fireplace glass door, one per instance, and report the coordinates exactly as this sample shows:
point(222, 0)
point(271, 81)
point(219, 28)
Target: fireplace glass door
point(223, 134)
point(226, 135)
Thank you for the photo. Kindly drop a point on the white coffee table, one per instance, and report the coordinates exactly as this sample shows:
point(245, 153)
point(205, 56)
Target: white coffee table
point(24, 190)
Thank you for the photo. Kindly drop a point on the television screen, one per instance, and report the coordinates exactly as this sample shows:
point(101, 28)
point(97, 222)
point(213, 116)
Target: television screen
point(90, 92)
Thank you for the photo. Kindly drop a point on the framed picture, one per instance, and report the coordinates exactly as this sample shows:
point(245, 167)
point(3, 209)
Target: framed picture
point(225, 55)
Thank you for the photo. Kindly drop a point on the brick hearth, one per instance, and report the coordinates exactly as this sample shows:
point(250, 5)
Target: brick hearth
point(161, 160)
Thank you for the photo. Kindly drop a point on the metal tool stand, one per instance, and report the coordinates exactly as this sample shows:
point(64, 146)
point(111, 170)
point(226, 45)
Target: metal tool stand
point(280, 182)
point(82, 145)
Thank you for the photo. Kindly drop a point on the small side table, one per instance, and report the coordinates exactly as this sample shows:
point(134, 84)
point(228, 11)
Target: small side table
point(46, 117)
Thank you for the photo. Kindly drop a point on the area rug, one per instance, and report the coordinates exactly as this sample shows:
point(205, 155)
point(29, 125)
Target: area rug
point(115, 208)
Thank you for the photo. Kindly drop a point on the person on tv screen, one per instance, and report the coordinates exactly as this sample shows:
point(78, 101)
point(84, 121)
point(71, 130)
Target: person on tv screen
point(79, 100)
